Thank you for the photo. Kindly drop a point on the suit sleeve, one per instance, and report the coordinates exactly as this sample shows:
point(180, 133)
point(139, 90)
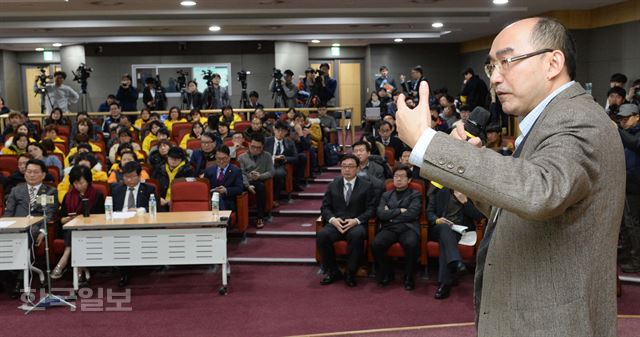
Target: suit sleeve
point(10, 205)
point(236, 187)
point(413, 210)
point(432, 216)
point(556, 176)
point(370, 211)
point(384, 215)
point(327, 201)
point(53, 208)
point(269, 173)
point(292, 158)
point(470, 210)
point(630, 140)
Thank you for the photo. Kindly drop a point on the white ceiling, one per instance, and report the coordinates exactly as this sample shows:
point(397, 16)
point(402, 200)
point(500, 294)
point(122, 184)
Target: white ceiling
point(27, 24)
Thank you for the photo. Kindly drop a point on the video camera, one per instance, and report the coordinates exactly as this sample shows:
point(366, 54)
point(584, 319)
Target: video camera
point(277, 73)
point(42, 78)
point(242, 77)
point(182, 80)
point(83, 72)
point(207, 75)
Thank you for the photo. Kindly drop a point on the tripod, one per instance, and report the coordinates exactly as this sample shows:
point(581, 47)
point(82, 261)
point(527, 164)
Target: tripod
point(244, 99)
point(44, 96)
point(84, 101)
point(49, 299)
point(279, 101)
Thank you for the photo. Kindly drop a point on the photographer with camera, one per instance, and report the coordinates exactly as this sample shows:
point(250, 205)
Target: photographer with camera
point(191, 97)
point(215, 96)
point(327, 86)
point(127, 94)
point(282, 86)
point(57, 94)
point(154, 95)
point(306, 87)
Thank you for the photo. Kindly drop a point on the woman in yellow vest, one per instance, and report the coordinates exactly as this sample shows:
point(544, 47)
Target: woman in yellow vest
point(174, 117)
point(84, 159)
point(143, 118)
point(165, 174)
point(154, 126)
point(230, 117)
point(116, 172)
point(19, 144)
point(196, 131)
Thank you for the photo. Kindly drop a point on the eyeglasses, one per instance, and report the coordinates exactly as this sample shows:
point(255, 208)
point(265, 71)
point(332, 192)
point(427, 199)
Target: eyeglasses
point(348, 166)
point(503, 65)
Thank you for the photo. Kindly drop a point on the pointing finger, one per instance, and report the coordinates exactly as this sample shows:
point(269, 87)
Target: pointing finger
point(423, 104)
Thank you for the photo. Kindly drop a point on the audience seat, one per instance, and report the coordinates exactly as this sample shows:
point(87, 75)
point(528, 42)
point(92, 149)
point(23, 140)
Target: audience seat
point(468, 253)
point(1, 200)
point(103, 187)
point(390, 155)
point(63, 130)
point(62, 147)
point(54, 171)
point(396, 249)
point(241, 126)
point(194, 144)
point(340, 247)
point(37, 124)
point(9, 162)
point(178, 130)
point(102, 159)
point(155, 184)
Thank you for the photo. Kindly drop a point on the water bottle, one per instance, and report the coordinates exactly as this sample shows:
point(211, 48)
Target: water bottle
point(215, 205)
point(152, 206)
point(108, 208)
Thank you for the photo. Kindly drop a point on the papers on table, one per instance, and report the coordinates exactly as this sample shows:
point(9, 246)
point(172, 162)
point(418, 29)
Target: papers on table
point(123, 215)
point(5, 224)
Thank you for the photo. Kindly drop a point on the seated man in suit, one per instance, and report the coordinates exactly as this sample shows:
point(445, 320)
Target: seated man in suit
point(447, 206)
point(398, 212)
point(346, 207)
point(23, 200)
point(283, 151)
point(257, 166)
point(205, 156)
point(388, 140)
point(226, 179)
point(128, 195)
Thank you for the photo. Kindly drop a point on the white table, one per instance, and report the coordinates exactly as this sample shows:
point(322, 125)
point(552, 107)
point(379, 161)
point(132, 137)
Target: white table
point(14, 246)
point(179, 238)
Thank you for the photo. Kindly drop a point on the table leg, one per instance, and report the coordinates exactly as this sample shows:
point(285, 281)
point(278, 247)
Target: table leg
point(75, 279)
point(224, 273)
point(26, 286)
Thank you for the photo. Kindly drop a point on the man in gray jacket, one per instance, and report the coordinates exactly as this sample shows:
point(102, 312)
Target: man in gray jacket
point(257, 166)
point(547, 263)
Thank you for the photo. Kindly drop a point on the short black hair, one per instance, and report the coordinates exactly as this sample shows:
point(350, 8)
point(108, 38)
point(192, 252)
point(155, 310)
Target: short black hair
point(282, 125)
point(124, 147)
point(60, 73)
point(350, 156)
point(114, 103)
point(383, 68)
point(362, 142)
point(288, 72)
point(216, 75)
point(132, 166)
point(112, 96)
point(418, 69)
point(38, 145)
point(85, 146)
point(465, 108)
point(78, 172)
point(88, 156)
point(150, 80)
point(48, 145)
point(325, 65)
point(258, 138)
point(617, 90)
point(383, 122)
point(209, 135)
point(176, 153)
point(158, 123)
point(618, 77)
point(322, 105)
point(254, 94)
point(38, 162)
point(224, 149)
point(82, 113)
point(404, 168)
point(309, 71)
point(227, 107)
point(124, 131)
point(469, 71)
point(164, 131)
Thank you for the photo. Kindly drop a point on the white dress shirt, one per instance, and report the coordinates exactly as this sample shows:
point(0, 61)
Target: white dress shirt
point(126, 197)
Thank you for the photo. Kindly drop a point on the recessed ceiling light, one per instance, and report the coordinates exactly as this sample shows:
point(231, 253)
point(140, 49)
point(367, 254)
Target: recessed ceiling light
point(315, 41)
point(57, 44)
point(188, 3)
point(335, 45)
point(437, 25)
point(214, 28)
point(398, 40)
point(39, 49)
point(500, 2)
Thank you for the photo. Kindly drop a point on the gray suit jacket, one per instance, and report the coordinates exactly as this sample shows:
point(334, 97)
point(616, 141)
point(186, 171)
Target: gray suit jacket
point(18, 204)
point(551, 263)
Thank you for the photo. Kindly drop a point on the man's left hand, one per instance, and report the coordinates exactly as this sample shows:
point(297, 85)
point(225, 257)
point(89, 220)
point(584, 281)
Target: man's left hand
point(411, 123)
point(39, 239)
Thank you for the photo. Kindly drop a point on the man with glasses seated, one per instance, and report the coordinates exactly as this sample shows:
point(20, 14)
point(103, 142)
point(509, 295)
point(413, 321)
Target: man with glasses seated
point(398, 212)
point(347, 205)
point(257, 166)
point(225, 179)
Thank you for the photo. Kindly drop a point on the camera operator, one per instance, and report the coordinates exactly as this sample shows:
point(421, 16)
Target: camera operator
point(154, 97)
point(191, 97)
point(327, 86)
point(634, 92)
point(289, 90)
point(253, 100)
point(305, 86)
point(216, 96)
point(127, 94)
point(58, 94)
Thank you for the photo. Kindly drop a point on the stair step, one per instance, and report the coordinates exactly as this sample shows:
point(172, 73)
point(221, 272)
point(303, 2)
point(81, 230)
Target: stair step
point(296, 212)
point(273, 260)
point(332, 168)
point(308, 195)
point(285, 233)
point(322, 180)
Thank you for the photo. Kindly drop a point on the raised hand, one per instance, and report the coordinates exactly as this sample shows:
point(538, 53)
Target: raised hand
point(411, 123)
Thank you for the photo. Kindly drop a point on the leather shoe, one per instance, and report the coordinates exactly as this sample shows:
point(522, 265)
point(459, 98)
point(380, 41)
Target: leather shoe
point(443, 292)
point(124, 280)
point(384, 281)
point(330, 278)
point(459, 269)
point(350, 280)
point(409, 284)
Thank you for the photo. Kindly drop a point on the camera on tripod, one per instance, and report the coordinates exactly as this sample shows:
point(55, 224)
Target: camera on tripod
point(277, 73)
point(207, 75)
point(83, 72)
point(242, 77)
point(182, 80)
point(42, 78)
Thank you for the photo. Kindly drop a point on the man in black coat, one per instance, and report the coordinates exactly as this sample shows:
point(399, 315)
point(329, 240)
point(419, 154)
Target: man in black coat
point(346, 207)
point(284, 152)
point(474, 89)
point(398, 212)
point(448, 206)
point(388, 140)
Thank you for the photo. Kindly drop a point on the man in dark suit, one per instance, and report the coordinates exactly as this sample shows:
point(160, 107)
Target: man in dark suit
point(445, 206)
point(130, 194)
point(23, 200)
point(205, 156)
point(384, 136)
point(153, 95)
point(346, 207)
point(225, 179)
point(398, 212)
point(283, 151)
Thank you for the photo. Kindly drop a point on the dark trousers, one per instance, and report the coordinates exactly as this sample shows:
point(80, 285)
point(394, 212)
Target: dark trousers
point(298, 168)
point(448, 240)
point(407, 238)
point(279, 177)
point(355, 247)
point(261, 197)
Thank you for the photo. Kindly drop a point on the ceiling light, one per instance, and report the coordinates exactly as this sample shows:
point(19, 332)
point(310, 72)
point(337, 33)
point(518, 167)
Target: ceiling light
point(39, 49)
point(437, 25)
point(335, 45)
point(57, 44)
point(500, 2)
point(188, 3)
point(214, 28)
point(398, 40)
point(315, 41)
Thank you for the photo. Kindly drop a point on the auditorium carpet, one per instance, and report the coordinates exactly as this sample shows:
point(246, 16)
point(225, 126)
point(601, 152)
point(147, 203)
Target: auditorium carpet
point(281, 298)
